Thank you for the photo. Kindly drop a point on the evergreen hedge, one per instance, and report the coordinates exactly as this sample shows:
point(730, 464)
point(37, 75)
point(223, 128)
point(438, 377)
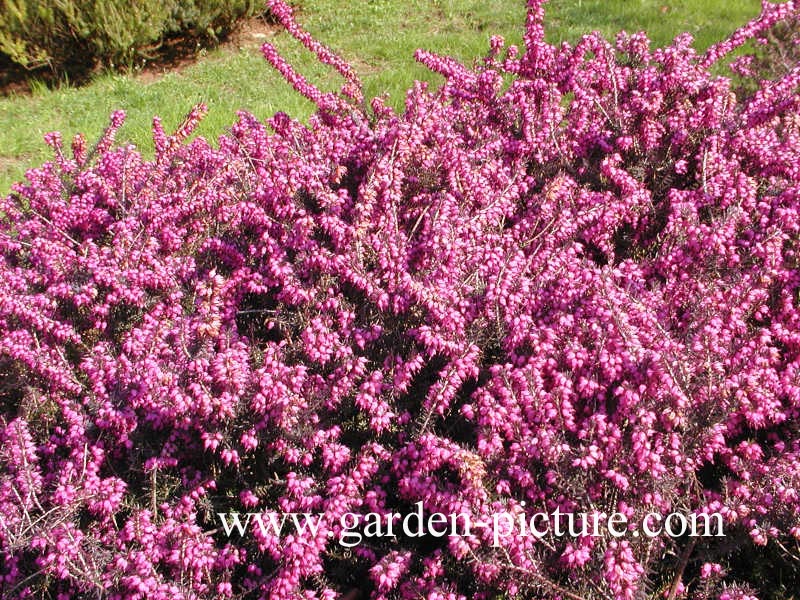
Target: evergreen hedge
point(65, 36)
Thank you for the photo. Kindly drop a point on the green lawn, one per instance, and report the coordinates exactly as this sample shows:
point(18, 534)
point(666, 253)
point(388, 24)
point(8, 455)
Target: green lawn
point(377, 36)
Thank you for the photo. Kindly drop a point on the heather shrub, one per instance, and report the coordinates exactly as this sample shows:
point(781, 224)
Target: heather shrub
point(69, 35)
point(780, 49)
point(567, 279)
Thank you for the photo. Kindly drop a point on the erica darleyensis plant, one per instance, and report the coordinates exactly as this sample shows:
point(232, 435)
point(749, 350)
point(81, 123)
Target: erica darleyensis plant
point(567, 279)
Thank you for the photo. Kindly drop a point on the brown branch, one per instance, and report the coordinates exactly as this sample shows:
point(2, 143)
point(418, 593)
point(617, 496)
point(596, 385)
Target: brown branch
point(676, 582)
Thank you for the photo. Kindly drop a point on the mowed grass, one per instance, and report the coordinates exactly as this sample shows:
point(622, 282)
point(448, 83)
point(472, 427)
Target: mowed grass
point(377, 36)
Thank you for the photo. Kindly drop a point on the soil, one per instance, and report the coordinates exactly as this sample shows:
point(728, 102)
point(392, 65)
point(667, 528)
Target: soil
point(173, 55)
point(13, 78)
point(249, 34)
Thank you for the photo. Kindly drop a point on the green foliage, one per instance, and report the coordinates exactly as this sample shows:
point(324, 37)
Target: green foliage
point(64, 35)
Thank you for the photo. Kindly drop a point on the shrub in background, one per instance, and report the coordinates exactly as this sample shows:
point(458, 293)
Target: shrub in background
point(579, 290)
point(73, 35)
